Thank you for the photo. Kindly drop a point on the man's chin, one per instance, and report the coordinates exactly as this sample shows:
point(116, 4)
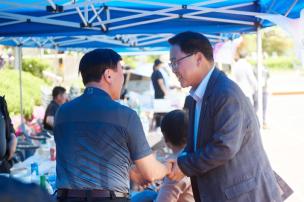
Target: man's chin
point(183, 85)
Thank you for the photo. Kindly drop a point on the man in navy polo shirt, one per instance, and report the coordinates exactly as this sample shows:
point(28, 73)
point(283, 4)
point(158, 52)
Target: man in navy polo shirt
point(59, 98)
point(97, 138)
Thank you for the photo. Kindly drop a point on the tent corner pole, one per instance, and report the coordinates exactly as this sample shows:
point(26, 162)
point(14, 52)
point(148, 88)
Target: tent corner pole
point(18, 65)
point(259, 75)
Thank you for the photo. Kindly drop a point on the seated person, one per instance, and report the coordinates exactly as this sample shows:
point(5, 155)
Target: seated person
point(8, 140)
point(13, 190)
point(174, 127)
point(59, 98)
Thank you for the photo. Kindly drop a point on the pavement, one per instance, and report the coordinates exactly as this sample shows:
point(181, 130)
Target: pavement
point(284, 138)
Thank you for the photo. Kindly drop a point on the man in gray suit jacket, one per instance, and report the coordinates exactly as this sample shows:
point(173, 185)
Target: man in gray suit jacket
point(224, 155)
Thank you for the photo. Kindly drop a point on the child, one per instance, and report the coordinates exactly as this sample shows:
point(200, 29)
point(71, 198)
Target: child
point(174, 127)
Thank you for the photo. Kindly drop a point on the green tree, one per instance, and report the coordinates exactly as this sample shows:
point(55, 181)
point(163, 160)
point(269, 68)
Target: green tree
point(151, 58)
point(132, 61)
point(31, 85)
point(34, 66)
point(275, 40)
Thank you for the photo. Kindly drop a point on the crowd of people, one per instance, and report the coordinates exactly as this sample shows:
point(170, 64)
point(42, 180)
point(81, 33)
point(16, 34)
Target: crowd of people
point(101, 145)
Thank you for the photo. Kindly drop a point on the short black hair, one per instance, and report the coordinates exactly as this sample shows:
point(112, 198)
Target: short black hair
point(58, 90)
point(192, 42)
point(174, 127)
point(156, 63)
point(94, 63)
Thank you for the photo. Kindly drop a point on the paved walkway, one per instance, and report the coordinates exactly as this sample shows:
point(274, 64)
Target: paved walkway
point(286, 82)
point(284, 140)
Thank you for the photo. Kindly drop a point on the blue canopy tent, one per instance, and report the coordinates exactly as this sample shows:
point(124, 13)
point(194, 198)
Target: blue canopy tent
point(131, 24)
point(112, 17)
point(121, 43)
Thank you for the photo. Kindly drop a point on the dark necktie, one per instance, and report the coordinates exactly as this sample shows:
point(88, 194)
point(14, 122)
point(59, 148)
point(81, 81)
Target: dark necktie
point(190, 106)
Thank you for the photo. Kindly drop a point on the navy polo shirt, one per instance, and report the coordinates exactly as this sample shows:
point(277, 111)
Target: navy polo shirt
point(50, 111)
point(97, 139)
point(158, 93)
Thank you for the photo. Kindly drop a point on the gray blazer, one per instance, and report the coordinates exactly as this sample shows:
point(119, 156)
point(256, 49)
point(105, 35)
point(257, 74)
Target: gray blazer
point(230, 163)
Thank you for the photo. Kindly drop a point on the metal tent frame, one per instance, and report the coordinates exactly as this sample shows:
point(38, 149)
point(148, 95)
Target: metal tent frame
point(140, 41)
point(97, 14)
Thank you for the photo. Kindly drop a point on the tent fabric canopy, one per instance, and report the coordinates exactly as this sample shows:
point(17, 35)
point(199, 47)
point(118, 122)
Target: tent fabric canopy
point(129, 42)
point(130, 23)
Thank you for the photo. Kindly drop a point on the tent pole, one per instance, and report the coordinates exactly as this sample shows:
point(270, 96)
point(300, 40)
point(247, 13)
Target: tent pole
point(259, 75)
point(41, 53)
point(18, 65)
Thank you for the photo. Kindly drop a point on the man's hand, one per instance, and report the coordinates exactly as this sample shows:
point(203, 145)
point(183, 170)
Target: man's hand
point(169, 166)
point(138, 179)
point(151, 169)
point(176, 174)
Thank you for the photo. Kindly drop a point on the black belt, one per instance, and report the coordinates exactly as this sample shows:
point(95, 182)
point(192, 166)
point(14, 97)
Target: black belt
point(93, 193)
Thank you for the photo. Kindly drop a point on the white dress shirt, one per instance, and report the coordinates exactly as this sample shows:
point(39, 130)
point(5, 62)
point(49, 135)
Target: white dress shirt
point(198, 94)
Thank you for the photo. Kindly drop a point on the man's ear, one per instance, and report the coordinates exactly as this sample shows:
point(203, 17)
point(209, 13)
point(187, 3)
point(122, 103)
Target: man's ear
point(107, 75)
point(200, 58)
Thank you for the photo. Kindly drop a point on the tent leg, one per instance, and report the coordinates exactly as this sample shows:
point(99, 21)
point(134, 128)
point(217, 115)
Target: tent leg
point(18, 65)
point(259, 75)
point(41, 53)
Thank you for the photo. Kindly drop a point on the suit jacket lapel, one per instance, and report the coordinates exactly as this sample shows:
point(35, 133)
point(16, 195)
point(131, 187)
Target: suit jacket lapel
point(191, 124)
point(208, 92)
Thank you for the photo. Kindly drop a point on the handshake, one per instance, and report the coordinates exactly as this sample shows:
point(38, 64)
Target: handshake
point(174, 172)
point(168, 169)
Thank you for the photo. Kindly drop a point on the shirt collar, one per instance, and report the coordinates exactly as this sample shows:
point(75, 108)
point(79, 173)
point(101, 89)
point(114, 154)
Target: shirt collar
point(95, 91)
point(54, 102)
point(198, 93)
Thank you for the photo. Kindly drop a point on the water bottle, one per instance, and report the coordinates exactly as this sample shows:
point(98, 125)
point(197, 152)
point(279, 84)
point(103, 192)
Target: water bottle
point(34, 168)
point(35, 173)
point(45, 184)
point(53, 153)
point(43, 181)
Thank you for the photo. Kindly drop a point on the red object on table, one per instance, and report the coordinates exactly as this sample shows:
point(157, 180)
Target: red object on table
point(53, 154)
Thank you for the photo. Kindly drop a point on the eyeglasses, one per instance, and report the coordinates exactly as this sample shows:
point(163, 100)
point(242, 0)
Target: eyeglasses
point(174, 64)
